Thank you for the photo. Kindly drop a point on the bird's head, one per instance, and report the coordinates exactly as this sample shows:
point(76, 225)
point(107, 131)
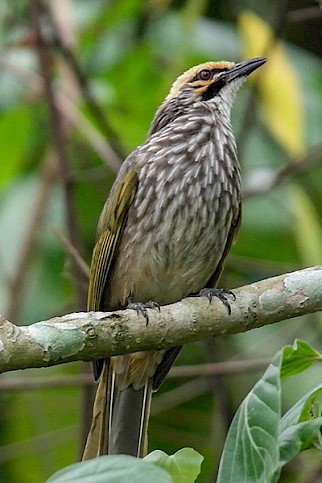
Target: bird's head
point(207, 81)
point(211, 82)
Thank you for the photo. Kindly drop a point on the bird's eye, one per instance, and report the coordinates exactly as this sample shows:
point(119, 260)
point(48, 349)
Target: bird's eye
point(205, 74)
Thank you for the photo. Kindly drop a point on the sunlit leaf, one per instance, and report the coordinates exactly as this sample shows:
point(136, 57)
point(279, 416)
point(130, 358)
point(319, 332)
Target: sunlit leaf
point(277, 83)
point(183, 466)
point(298, 358)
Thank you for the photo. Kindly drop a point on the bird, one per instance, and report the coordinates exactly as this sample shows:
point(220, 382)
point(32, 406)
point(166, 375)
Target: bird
point(164, 233)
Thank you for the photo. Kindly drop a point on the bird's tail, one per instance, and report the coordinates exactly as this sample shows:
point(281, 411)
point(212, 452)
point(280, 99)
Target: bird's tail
point(120, 418)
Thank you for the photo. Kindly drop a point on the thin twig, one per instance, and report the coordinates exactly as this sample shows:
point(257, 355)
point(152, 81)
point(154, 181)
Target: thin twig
point(59, 144)
point(177, 372)
point(58, 42)
point(62, 16)
point(181, 394)
point(231, 367)
point(293, 168)
point(88, 130)
point(304, 14)
point(51, 382)
point(71, 250)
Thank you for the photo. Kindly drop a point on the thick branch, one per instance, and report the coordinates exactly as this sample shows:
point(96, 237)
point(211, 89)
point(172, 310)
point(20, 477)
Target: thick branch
point(88, 336)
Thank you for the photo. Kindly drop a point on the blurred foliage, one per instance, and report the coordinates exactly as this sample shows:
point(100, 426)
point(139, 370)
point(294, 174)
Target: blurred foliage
point(130, 52)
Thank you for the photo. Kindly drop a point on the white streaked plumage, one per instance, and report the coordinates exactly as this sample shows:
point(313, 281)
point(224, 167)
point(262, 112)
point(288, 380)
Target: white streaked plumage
point(194, 179)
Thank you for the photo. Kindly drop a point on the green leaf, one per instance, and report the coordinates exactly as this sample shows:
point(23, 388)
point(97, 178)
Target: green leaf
point(297, 358)
point(305, 409)
point(259, 443)
point(183, 466)
point(295, 439)
point(308, 409)
point(112, 469)
point(298, 437)
point(251, 451)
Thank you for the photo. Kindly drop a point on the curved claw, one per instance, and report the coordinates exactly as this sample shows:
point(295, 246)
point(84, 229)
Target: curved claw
point(141, 308)
point(152, 305)
point(220, 293)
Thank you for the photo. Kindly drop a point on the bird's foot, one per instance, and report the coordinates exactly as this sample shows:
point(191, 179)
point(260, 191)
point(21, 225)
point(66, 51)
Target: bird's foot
point(141, 308)
point(220, 293)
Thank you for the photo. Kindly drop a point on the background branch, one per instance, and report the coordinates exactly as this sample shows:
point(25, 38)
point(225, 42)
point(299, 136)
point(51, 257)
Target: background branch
point(176, 372)
point(265, 183)
point(87, 336)
point(89, 99)
point(59, 141)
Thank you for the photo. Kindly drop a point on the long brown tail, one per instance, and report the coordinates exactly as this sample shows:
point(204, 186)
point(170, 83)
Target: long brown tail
point(120, 419)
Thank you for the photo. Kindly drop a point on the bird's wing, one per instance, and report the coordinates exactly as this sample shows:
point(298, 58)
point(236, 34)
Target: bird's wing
point(110, 229)
point(109, 234)
point(230, 240)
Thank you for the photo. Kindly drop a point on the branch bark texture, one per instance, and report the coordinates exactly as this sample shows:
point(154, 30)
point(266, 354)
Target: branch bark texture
point(94, 335)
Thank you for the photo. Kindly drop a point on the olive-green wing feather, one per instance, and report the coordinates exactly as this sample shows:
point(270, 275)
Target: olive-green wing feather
point(109, 233)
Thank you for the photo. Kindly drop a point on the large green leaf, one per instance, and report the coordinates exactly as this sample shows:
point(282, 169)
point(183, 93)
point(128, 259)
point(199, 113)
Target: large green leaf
point(251, 450)
point(112, 469)
point(259, 441)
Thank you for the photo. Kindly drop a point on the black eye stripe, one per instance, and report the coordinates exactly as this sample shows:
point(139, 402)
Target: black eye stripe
point(217, 71)
point(213, 72)
point(213, 90)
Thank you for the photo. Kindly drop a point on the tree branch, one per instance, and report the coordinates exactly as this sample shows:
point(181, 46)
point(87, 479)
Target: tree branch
point(93, 335)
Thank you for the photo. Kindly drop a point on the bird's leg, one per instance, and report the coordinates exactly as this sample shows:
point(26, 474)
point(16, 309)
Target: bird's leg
point(141, 308)
point(220, 293)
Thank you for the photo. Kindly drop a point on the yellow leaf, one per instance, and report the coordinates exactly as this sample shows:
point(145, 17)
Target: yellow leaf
point(278, 83)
